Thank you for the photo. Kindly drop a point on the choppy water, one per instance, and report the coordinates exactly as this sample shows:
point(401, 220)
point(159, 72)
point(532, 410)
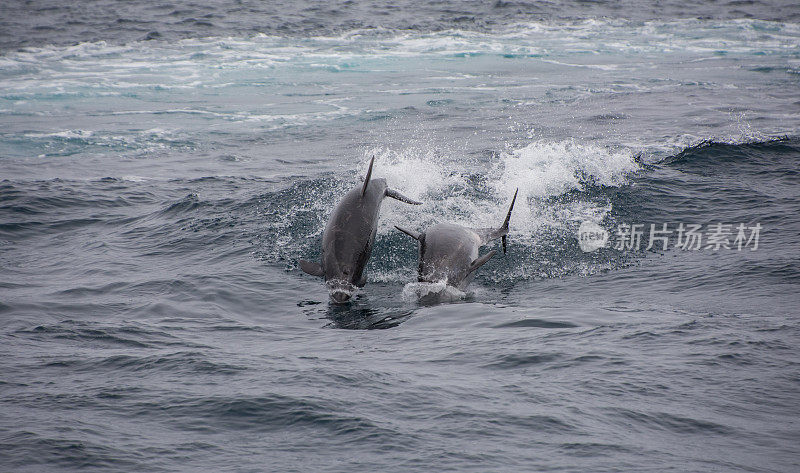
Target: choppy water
point(163, 167)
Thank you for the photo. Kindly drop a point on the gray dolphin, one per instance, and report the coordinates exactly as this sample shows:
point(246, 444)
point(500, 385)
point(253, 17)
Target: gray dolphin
point(349, 235)
point(449, 252)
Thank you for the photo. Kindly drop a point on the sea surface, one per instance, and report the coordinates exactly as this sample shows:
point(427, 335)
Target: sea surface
point(164, 165)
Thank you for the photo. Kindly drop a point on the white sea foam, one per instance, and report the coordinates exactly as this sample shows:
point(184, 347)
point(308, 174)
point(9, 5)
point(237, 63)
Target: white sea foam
point(540, 170)
point(543, 169)
point(121, 78)
point(430, 293)
point(556, 40)
point(66, 134)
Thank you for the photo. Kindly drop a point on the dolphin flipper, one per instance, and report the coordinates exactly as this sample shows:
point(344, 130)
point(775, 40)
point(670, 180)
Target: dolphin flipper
point(314, 269)
point(411, 233)
point(396, 195)
point(480, 261)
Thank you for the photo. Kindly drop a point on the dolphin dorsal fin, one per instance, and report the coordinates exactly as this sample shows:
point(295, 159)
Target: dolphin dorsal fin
point(508, 217)
point(369, 174)
point(411, 233)
point(480, 261)
point(489, 234)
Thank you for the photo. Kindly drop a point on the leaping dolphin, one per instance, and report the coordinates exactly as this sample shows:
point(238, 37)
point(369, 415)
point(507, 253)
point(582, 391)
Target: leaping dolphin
point(349, 235)
point(449, 252)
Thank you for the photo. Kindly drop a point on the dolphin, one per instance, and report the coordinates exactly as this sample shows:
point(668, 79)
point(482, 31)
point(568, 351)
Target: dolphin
point(449, 252)
point(349, 235)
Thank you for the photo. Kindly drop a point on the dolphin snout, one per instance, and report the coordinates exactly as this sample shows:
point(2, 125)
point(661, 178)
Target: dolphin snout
point(340, 297)
point(340, 291)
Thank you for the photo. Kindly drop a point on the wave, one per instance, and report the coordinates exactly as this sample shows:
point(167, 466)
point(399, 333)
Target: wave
point(121, 22)
point(471, 193)
point(561, 184)
point(477, 193)
point(713, 152)
point(70, 450)
point(265, 413)
point(445, 38)
point(117, 336)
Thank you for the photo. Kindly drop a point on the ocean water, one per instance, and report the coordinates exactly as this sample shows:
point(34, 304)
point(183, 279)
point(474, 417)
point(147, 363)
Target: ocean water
point(163, 166)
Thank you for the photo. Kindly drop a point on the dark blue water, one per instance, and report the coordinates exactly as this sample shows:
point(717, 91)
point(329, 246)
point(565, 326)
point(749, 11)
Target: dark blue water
point(164, 166)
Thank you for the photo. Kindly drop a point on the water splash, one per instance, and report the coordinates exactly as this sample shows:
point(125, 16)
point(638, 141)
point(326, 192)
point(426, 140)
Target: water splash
point(432, 293)
point(478, 194)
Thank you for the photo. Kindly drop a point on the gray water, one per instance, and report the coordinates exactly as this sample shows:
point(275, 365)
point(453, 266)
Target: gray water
point(164, 166)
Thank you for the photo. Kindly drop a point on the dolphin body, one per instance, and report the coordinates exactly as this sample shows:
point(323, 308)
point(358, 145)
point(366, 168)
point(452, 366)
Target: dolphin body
point(349, 235)
point(449, 253)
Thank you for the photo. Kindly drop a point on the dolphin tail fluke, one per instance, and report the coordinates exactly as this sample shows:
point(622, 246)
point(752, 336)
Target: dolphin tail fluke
point(480, 261)
point(369, 174)
point(396, 195)
point(411, 233)
point(314, 269)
